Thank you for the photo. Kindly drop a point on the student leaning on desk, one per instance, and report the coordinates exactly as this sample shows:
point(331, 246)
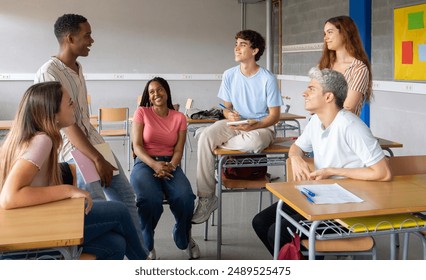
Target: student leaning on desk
point(30, 174)
point(342, 144)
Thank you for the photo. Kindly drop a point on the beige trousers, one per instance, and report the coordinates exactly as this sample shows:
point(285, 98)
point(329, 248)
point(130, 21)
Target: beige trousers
point(220, 135)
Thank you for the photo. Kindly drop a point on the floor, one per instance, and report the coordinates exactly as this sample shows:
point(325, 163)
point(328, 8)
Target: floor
point(239, 239)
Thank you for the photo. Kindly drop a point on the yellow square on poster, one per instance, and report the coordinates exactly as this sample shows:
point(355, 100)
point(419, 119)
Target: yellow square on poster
point(410, 43)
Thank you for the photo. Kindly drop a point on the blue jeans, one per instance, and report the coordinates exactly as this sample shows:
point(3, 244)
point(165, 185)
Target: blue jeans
point(109, 233)
point(119, 190)
point(150, 192)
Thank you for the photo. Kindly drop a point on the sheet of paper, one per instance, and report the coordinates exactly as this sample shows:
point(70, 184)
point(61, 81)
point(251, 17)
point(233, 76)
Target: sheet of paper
point(106, 151)
point(330, 194)
point(238, 122)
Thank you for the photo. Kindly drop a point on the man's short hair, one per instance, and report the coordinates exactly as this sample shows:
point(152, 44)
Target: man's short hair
point(68, 23)
point(256, 41)
point(331, 81)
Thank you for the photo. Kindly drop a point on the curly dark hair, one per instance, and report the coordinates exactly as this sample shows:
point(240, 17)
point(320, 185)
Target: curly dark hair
point(68, 23)
point(256, 41)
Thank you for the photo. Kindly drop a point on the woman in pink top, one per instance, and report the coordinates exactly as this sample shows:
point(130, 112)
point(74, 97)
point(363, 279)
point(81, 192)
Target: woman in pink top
point(343, 51)
point(158, 134)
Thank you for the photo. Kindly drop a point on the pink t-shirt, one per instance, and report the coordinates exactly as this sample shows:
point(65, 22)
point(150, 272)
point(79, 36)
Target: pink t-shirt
point(160, 134)
point(38, 153)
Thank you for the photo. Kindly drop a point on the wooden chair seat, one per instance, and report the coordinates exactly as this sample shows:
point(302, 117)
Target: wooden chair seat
point(358, 244)
point(244, 184)
point(113, 132)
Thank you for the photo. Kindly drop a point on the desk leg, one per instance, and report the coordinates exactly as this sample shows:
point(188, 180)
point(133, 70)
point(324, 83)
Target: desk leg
point(219, 207)
point(389, 151)
point(312, 239)
point(277, 229)
point(298, 126)
point(393, 246)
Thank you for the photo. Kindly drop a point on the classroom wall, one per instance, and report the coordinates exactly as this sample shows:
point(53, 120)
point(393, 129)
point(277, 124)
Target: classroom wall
point(132, 37)
point(196, 37)
point(395, 114)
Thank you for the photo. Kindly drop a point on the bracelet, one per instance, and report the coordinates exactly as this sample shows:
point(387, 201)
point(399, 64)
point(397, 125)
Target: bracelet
point(174, 166)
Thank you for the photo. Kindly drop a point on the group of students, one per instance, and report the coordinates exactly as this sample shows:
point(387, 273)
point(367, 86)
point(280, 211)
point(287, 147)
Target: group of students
point(53, 119)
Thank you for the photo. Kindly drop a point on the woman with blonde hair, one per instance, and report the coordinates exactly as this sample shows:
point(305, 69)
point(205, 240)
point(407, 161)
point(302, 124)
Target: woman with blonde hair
point(343, 51)
point(30, 174)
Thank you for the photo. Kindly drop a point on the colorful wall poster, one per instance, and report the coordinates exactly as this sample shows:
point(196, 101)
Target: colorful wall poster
point(410, 43)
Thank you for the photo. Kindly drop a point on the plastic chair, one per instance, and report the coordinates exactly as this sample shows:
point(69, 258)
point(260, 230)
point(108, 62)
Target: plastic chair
point(336, 247)
point(115, 117)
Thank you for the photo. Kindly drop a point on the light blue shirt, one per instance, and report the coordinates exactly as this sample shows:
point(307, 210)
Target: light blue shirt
point(250, 96)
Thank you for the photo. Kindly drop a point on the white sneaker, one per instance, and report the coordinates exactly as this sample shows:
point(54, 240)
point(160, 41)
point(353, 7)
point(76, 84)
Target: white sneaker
point(193, 250)
point(152, 255)
point(205, 206)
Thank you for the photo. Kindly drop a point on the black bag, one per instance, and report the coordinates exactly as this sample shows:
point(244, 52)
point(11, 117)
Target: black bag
point(212, 114)
point(247, 173)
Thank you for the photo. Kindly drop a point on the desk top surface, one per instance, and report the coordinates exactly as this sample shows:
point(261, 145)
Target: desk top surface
point(54, 224)
point(282, 145)
point(195, 121)
point(404, 194)
point(288, 117)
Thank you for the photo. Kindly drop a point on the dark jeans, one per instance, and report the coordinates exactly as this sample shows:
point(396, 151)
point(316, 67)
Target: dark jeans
point(264, 226)
point(150, 192)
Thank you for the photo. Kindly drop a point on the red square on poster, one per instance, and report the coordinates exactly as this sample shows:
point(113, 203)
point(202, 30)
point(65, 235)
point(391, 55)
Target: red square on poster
point(407, 52)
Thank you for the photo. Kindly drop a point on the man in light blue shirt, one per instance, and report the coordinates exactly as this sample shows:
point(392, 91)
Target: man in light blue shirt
point(251, 92)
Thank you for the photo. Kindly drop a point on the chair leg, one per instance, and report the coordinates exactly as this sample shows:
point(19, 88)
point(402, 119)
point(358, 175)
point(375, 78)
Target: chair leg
point(260, 202)
point(206, 230)
point(189, 141)
point(405, 246)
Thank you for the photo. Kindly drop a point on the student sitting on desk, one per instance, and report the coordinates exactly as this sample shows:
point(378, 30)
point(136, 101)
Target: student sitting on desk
point(251, 92)
point(30, 174)
point(343, 146)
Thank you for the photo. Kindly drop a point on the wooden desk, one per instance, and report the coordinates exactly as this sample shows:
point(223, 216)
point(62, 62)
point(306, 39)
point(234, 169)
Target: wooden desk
point(405, 194)
point(276, 156)
point(49, 225)
point(287, 117)
point(388, 144)
point(5, 124)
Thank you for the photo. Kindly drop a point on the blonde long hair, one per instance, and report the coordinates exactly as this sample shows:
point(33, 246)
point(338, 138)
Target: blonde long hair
point(36, 114)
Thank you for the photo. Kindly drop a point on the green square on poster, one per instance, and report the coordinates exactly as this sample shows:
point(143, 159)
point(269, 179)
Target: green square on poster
point(415, 21)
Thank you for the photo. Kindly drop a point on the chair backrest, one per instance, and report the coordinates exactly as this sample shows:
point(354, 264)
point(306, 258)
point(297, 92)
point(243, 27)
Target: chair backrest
point(188, 105)
point(289, 170)
point(113, 114)
point(408, 165)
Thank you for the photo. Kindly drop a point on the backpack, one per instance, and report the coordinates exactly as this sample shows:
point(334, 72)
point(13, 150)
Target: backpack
point(212, 114)
point(246, 173)
point(291, 251)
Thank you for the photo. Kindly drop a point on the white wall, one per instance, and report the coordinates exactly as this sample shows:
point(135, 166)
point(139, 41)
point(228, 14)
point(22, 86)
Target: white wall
point(152, 37)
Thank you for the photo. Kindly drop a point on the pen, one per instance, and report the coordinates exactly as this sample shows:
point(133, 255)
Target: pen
point(309, 192)
point(223, 106)
point(307, 197)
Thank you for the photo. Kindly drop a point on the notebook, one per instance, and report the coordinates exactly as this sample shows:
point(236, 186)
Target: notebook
point(87, 167)
point(382, 222)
